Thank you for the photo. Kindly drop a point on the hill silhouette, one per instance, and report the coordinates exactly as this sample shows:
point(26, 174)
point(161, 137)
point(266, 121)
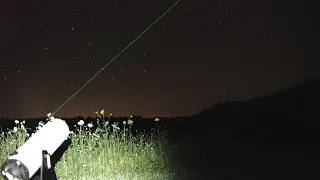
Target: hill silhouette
point(296, 106)
point(270, 137)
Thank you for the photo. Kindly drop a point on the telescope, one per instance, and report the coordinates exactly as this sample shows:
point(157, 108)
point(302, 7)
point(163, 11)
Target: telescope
point(35, 153)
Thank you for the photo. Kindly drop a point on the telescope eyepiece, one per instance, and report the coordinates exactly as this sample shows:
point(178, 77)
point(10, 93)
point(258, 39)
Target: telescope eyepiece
point(13, 169)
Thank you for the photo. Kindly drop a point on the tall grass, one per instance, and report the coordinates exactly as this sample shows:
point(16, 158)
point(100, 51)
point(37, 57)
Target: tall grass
point(104, 152)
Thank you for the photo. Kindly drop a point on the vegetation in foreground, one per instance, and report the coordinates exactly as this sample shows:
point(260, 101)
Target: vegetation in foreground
point(103, 152)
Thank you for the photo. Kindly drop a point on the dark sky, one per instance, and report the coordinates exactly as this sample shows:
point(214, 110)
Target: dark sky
point(199, 54)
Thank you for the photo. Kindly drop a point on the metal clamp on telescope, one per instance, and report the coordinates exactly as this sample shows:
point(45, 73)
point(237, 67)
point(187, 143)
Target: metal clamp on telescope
point(35, 153)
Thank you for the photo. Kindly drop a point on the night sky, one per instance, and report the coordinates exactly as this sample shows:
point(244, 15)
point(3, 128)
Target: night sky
point(200, 53)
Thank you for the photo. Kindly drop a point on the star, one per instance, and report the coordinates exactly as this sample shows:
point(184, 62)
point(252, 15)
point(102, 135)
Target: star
point(18, 71)
point(145, 71)
point(89, 42)
point(46, 48)
point(258, 68)
point(5, 78)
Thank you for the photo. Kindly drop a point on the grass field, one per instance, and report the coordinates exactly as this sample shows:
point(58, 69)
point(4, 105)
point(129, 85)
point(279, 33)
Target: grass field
point(104, 152)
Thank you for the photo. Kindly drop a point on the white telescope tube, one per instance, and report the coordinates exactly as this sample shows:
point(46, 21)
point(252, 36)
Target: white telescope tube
point(49, 138)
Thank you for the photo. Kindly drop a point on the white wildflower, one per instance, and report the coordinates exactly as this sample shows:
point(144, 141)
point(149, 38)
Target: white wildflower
point(90, 125)
point(130, 122)
point(16, 121)
point(124, 122)
point(156, 119)
point(15, 129)
point(81, 122)
point(22, 127)
point(102, 111)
